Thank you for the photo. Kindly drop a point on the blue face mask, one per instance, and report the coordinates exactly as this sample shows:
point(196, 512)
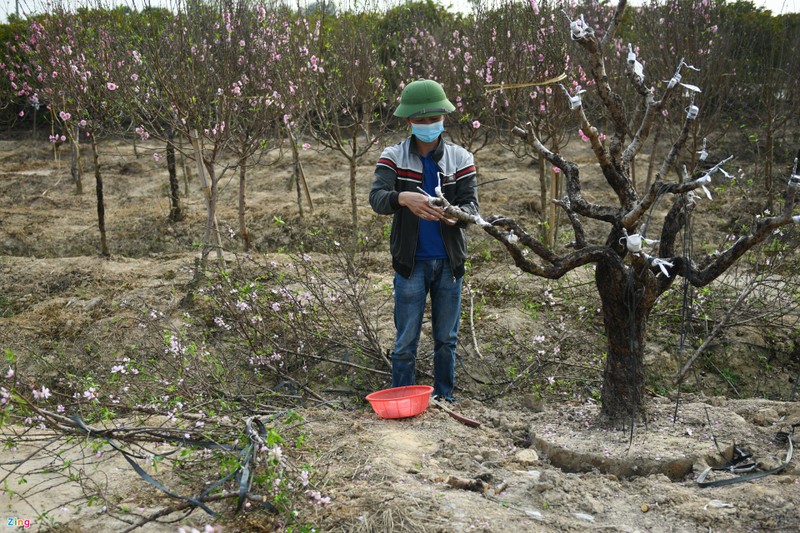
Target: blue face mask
point(427, 133)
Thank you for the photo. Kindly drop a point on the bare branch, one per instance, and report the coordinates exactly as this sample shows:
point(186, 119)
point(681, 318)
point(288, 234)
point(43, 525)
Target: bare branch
point(765, 228)
point(580, 235)
point(599, 150)
point(508, 232)
point(677, 146)
point(611, 100)
point(717, 328)
point(612, 26)
point(579, 204)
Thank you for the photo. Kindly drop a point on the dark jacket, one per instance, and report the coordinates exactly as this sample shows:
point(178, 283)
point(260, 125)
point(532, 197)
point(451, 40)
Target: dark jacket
point(400, 169)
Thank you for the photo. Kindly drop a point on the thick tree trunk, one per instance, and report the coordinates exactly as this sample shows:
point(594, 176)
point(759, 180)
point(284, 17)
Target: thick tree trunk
point(551, 208)
point(299, 175)
point(625, 312)
point(543, 195)
point(175, 210)
point(212, 229)
point(208, 181)
point(651, 165)
point(101, 210)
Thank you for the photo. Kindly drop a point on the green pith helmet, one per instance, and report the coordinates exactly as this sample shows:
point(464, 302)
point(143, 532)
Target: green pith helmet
point(423, 98)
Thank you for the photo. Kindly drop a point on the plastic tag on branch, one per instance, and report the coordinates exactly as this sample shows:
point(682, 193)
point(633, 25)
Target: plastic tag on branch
point(676, 78)
point(662, 264)
point(703, 154)
point(578, 29)
point(673, 81)
point(574, 101)
point(634, 242)
point(638, 68)
point(794, 179)
point(703, 181)
point(691, 88)
point(631, 54)
point(692, 111)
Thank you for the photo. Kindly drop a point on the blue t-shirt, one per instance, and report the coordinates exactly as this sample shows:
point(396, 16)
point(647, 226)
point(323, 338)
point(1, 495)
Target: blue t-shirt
point(429, 238)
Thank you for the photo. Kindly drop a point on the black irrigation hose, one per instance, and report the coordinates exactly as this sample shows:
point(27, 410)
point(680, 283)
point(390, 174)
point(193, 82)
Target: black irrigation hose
point(688, 250)
point(242, 472)
point(740, 463)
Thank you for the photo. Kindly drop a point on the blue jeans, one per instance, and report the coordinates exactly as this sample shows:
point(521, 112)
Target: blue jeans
point(434, 277)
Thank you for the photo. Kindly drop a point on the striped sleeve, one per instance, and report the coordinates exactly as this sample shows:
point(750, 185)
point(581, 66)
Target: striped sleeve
point(388, 163)
point(466, 172)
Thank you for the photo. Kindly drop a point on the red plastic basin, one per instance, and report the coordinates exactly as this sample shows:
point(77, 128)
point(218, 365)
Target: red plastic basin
point(400, 402)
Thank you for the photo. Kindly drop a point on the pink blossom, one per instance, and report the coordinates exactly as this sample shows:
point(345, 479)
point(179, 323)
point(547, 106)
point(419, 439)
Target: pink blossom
point(10, 373)
point(317, 498)
point(42, 394)
point(63, 115)
point(156, 157)
point(22, 113)
point(556, 170)
point(534, 6)
point(476, 124)
point(583, 136)
point(111, 86)
point(306, 146)
point(83, 123)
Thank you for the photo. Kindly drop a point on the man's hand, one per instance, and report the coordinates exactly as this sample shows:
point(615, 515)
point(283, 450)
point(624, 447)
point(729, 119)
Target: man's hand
point(420, 205)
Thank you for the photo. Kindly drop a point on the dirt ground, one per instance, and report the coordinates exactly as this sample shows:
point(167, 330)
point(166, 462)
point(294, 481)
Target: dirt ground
point(532, 465)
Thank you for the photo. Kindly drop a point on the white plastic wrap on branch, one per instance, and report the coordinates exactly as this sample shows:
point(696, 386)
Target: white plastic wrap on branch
point(454, 211)
point(578, 29)
point(638, 69)
point(660, 263)
point(702, 153)
point(705, 179)
point(676, 78)
point(794, 179)
point(574, 101)
point(634, 242)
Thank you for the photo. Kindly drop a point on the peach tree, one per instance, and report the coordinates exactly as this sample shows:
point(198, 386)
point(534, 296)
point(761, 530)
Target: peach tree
point(638, 256)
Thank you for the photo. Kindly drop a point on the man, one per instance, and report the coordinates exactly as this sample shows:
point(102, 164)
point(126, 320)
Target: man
point(428, 248)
